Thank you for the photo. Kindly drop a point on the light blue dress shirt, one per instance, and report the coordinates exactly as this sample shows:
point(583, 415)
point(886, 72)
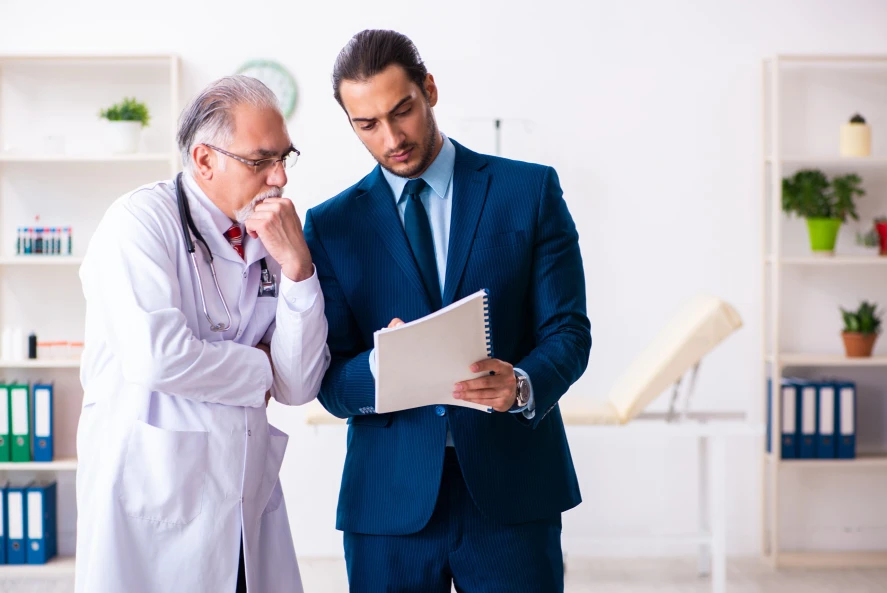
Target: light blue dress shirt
point(437, 197)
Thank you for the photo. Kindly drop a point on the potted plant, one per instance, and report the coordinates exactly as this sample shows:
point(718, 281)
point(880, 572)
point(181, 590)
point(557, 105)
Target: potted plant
point(876, 236)
point(125, 122)
point(856, 137)
point(825, 205)
point(861, 329)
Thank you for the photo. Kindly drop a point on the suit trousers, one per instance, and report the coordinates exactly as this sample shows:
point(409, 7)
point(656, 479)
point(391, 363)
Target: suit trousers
point(459, 546)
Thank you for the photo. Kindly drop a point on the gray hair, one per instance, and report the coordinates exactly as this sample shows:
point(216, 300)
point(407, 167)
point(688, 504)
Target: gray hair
point(208, 118)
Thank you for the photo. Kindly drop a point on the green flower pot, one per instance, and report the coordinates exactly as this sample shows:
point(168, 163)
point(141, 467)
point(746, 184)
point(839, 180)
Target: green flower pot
point(823, 234)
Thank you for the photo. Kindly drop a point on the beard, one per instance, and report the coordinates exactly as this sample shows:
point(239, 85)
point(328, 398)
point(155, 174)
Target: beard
point(244, 213)
point(425, 152)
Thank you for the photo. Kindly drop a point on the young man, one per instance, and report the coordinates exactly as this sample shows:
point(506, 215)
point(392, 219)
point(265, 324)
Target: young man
point(443, 494)
point(177, 487)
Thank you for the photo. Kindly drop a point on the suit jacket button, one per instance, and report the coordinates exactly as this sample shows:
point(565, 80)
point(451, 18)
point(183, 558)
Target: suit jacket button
point(440, 411)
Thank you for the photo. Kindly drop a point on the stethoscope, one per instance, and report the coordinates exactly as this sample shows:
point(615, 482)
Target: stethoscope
point(268, 286)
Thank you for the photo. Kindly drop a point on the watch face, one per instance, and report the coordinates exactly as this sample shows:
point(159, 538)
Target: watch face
point(277, 78)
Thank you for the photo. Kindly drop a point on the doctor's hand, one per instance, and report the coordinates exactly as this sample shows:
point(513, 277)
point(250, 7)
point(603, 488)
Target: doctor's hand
point(498, 390)
point(277, 225)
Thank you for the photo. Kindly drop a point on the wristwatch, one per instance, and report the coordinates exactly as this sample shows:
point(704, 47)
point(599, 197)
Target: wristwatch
point(523, 390)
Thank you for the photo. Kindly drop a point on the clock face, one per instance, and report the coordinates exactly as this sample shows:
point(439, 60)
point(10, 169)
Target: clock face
point(276, 78)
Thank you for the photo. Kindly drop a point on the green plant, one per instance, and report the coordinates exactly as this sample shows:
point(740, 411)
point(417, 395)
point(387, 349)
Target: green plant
point(871, 238)
point(127, 110)
point(844, 188)
point(865, 320)
point(809, 194)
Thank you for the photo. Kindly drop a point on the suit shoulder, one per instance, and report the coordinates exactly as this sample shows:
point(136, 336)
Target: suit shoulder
point(338, 204)
point(515, 168)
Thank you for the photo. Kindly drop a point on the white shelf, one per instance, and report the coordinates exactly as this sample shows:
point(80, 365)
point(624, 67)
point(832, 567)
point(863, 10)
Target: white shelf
point(87, 58)
point(40, 364)
point(862, 460)
point(58, 566)
point(136, 157)
point(59, 465)
point(797, 359)
point(828, 160)
point(836, 260)
point(41, 260)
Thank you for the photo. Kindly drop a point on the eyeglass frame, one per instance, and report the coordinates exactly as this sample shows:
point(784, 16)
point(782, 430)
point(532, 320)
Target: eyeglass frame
point(256, 163)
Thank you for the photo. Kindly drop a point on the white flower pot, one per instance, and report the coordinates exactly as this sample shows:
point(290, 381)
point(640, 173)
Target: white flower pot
point(123, 136)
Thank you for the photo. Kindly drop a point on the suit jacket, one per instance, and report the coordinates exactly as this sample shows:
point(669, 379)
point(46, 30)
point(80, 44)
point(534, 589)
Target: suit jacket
point(511, 233)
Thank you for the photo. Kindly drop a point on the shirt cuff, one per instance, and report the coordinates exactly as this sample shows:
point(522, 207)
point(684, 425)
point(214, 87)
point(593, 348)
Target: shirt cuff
point(529, 410)
point(372, 360)
point(300, 296)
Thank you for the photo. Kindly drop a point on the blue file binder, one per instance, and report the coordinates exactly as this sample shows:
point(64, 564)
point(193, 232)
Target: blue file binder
point(42, 422)
point(3, 521)
point(17, 515)
point(826, 422)
point(788, 402)
point(807, 394)
point(41, 527)
point(846, 419)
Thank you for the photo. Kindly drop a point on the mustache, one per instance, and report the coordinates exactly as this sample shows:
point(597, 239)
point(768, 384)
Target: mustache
point(274, 192)
point(399, 150)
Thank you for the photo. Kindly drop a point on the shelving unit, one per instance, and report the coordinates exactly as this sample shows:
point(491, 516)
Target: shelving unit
point(68, 182)
point(800, 130)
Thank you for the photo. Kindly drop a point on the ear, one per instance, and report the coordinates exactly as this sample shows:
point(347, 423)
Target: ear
point(431, 90)
point(205, 161)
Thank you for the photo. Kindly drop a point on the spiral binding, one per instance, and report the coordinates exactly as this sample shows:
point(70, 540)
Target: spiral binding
point(488, 328)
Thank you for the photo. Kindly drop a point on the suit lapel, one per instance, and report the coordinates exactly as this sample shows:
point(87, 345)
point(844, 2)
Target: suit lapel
point(470, 184)
point(379, 207)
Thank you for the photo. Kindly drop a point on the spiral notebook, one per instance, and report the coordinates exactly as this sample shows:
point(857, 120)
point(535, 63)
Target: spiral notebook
point(419, 363)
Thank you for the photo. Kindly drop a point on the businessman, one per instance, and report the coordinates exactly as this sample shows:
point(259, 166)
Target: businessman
point(446, 494)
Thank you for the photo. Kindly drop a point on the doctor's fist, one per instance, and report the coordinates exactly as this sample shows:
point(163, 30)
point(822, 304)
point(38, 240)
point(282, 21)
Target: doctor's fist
point(277, 225)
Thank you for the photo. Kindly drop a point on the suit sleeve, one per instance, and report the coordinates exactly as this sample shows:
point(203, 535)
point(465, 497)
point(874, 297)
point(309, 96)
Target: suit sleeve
point(348, 387)
point(561, 327)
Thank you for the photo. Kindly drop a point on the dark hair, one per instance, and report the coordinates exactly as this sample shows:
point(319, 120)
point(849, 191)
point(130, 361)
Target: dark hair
point(370, 52)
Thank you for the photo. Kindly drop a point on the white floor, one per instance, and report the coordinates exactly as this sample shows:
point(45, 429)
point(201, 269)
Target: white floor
point(601, 576)
point(656, 576)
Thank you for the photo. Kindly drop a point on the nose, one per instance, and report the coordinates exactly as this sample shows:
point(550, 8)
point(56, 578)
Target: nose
point(277, 175)
point(393, 137)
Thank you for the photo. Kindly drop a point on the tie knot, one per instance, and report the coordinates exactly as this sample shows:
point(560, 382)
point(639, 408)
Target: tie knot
point(235, 238)
point(234, 233)
point(414, 187)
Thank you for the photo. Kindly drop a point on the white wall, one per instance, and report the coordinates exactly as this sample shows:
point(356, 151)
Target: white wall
point(648, 110)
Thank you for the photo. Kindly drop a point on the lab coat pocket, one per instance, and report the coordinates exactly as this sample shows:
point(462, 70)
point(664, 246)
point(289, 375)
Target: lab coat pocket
point(277, 441)
point(164, 474)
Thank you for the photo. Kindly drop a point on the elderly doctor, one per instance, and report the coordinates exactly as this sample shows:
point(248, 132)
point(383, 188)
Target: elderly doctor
point(177, 484)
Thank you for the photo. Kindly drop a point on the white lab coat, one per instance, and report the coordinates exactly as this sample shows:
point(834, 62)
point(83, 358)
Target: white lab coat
point(176, 456)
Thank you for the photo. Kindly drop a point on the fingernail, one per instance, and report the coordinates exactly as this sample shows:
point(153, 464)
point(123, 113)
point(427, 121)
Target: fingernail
point(474, 368)
point(458, 387)
point(457, 395)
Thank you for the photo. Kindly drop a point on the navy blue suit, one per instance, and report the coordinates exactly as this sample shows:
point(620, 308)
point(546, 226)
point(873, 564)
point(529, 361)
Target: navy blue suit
point(511, 233)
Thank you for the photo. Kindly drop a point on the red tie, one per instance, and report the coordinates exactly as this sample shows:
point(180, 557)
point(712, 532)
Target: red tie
point(235, 237)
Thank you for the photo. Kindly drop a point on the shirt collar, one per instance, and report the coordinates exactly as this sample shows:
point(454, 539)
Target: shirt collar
point(221, 222)
point(438, 175)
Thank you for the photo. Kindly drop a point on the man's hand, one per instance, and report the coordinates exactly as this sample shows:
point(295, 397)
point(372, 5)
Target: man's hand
point(497, 391)
point(277, 225)
point(267, 350)
point(394, 323)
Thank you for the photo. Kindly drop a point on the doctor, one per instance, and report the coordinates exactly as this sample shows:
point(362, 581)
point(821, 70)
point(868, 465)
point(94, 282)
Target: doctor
point(177, 483)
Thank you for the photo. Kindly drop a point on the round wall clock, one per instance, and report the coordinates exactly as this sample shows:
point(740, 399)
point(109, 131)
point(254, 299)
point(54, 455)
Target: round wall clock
point(277, 78)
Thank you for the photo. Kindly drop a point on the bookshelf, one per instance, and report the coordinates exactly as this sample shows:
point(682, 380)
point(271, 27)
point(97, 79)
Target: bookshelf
point(804, 101)
point(54, 164)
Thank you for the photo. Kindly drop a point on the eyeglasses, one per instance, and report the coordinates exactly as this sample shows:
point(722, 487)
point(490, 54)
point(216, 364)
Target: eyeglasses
point(288, 160)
